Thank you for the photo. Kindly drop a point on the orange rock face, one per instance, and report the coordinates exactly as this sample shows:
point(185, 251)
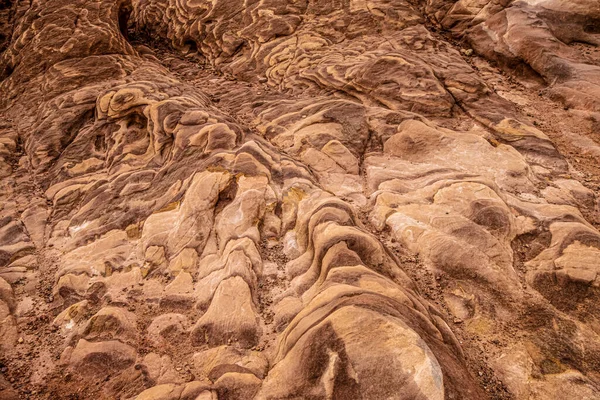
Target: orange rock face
point(307, 199)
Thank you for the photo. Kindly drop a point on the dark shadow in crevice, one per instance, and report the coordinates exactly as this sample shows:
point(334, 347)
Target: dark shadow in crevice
point(192, 47)
point(592, 27)
point(6, 72)
point(124, 15)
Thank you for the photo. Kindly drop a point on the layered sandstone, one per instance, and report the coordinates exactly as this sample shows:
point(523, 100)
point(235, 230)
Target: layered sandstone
point(304, 199)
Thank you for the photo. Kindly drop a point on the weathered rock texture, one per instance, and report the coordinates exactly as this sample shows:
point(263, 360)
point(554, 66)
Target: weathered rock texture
point(299, 199)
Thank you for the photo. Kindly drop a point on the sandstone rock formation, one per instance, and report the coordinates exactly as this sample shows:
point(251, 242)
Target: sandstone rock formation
point(380, 199)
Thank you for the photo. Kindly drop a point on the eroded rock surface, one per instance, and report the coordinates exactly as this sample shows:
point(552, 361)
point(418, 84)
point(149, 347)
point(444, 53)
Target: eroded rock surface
point(303, 199)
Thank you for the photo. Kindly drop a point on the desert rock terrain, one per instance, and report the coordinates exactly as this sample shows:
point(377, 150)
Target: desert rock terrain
point(303, 199)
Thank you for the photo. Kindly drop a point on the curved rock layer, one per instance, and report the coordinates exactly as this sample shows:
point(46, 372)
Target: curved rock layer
point(297, 200)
